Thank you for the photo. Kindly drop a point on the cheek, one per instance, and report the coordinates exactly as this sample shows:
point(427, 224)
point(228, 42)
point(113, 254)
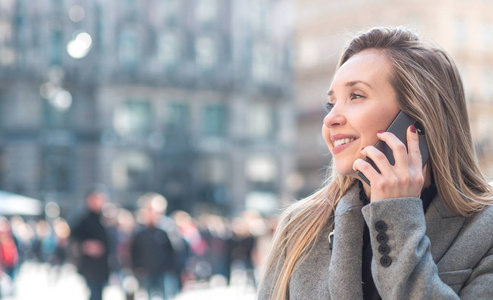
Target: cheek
point(379, 120)
point(326, 135)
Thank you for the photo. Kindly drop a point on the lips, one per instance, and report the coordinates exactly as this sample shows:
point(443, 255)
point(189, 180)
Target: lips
point(341, 142)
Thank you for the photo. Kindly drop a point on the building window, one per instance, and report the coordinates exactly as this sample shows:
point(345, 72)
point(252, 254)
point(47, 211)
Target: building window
point(7, 6)
point(133, 118)
point(127, 48)
point(168, 50)
point(262, 201)
point(214, 119)
point(205, 53)
point(130, 7)
point(163, 12)
point(213, 170)
point(177, 120)
point(261, 169)
point(132, 170)
point(57, 169)
point(169, 8)
point(7, 56)
point(57, 48)
point(206, 10)
point(261, 121)
point(57, 114)
point(5, 31)
point(259, 15)
point(262, 63)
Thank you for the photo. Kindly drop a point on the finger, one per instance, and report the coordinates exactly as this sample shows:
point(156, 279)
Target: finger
point(414, 154)
point(399, 149)
point(379, 159)
point(368, 170)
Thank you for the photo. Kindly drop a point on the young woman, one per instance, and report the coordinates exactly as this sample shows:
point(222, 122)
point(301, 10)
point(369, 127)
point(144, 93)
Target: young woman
point(416, 232)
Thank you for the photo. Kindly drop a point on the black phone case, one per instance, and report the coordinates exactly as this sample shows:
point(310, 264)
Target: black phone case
point(399, 128)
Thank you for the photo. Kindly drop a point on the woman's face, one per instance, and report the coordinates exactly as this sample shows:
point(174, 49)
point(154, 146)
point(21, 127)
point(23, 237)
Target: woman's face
point(363, 102)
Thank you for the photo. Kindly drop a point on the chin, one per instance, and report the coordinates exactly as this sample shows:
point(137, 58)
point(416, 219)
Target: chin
point(346, 171)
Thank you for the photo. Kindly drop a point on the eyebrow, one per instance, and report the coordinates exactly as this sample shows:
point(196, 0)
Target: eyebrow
point(349, 84)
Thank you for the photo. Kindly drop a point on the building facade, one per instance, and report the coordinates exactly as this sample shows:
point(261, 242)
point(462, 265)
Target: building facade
point(191, 99)
point(462, 28)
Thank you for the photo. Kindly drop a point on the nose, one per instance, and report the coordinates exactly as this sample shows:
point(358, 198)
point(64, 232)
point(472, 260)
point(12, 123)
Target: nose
point(334, 117)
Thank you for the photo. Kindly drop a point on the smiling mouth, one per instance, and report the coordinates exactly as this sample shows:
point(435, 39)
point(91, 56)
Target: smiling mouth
point(343, 141)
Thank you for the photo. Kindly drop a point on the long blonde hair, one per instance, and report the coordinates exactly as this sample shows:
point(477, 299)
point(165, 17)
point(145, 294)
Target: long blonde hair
point(428, 88)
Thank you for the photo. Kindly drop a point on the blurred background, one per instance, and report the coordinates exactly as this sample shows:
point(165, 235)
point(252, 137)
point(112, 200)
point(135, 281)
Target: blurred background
point(215, 104)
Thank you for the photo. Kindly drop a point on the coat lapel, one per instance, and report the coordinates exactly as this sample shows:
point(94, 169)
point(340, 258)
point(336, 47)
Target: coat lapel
point(347, 248)
point(442, 227)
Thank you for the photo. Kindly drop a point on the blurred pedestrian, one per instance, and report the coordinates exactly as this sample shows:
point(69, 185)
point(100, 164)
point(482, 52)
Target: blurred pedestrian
point(61, 231)
point(9, 255)
point(92, 244)
point(198, 268)
point(125, 223)
point(41, 243)
point(151, 249)
point(243, 245)
point(218, 236)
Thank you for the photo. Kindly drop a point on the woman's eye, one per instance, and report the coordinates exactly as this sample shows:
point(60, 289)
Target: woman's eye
point(355, 96)
point(329, 106)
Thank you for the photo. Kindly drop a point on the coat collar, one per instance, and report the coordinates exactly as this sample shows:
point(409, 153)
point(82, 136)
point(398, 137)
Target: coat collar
point(442, 227)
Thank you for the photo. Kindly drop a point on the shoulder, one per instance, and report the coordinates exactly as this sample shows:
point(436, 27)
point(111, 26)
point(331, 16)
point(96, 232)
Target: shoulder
point(139, 231)
point(476, 234)
point(482, 218)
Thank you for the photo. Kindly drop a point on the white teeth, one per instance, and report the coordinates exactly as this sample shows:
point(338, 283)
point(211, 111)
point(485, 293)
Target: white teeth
point(342, 141)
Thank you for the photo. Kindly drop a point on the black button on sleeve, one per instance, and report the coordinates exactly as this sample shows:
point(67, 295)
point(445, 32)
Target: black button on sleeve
point(381, 226)
point(384, 249)
point(382, 238)
point(385, 261)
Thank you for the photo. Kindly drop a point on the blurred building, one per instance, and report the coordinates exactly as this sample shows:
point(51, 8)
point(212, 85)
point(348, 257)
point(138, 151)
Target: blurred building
point(191, 99)
point(463, 28)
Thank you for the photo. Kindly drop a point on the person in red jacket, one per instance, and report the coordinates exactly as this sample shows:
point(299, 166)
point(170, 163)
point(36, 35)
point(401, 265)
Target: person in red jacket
point(9, 256)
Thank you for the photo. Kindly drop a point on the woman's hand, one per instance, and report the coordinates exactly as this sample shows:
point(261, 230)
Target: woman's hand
point(405, 178)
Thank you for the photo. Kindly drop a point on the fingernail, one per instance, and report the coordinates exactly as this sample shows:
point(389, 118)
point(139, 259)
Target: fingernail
point(413, 129)
point(381, 131)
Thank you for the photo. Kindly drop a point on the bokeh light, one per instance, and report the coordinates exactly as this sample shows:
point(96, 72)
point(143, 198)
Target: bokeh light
point(80, 46)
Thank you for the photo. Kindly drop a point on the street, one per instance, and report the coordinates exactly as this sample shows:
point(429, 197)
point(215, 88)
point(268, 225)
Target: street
point(41, 281)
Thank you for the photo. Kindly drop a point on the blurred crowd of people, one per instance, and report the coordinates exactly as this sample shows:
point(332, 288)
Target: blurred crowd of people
point(143, 250)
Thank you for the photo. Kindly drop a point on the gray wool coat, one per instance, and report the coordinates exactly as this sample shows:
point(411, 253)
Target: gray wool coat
point(440, 255)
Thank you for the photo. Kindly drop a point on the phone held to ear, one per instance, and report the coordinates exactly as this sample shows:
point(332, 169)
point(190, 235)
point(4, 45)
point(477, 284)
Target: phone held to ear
point(399, 128)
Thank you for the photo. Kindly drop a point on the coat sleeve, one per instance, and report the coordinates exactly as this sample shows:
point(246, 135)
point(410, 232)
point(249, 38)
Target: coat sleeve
point(402, 266)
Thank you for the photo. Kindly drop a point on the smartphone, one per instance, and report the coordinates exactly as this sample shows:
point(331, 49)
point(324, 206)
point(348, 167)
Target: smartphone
point(399, 128)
